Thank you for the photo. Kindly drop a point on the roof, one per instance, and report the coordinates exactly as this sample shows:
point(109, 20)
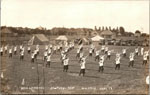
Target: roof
point(63, 38)
point(41, 37)
point(5, 30)
point(97, 38)
point(106, 32)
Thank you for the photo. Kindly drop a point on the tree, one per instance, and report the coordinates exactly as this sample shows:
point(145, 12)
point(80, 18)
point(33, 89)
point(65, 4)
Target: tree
point(137, 31)
point(122, 30)
point(95, 28)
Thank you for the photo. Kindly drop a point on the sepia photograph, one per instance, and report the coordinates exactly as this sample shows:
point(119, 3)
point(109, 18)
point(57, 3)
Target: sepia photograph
point(74, 47)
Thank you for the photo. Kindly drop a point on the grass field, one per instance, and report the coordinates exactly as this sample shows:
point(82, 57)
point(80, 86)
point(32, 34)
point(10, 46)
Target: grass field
point(126, 80)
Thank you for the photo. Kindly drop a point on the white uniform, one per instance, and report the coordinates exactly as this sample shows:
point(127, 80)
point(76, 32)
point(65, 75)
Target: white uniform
point(118, 60)
point(15, 48)
point(147, 80)
point(66, 62)
point(124, 51)
point(97, 53)
point(101, 62)
point(48, 58)
point(10, 50)
point(142, 51)
point(83, 65)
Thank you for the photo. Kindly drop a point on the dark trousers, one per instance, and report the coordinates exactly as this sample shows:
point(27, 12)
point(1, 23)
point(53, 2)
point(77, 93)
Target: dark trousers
point(90, 54)
point(5, 51)
point(124, 55)
point(15, 52)
point(1, 53)
point(144, 62)
point(32, 60)
point(82, 71)
point(78, 55)
point(101, 69)
point(117, 66)
point(21, 57)
point(108, 57)
point(131, 63)
point(65, 68)
point(10, 55)
point(29, 51)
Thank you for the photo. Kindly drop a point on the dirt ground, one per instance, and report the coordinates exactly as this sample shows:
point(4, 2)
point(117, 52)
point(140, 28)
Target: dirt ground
point(53, 80)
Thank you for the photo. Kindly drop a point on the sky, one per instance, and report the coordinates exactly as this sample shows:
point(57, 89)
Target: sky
point(132, 15)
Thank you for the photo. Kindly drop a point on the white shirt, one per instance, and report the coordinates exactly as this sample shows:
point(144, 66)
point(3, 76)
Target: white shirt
point(142, 49)
point(48, 58)
point(144, 57)
point(29, 48)
point(147, 80)
point(46, 47)
point(103, 47)
point(78, 51)
point(106, 49)
point(10, 50)
point(101, 62)
point(81, 55)
point(136, 50)
point(131, 57)
point(90, 51)
point(118, 60)
point(66, 61)
point(83, 65)
point(109, 52)
point(97, 53)
point(32, 56)
point(124, 51)
point(45, 53)
point(5, 47)
point(1, 49)
point(64, 56)
point(15, 48)
point(49, 51)
point(22, 53)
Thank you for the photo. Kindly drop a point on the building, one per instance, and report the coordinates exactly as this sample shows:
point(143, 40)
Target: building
point(107, 34)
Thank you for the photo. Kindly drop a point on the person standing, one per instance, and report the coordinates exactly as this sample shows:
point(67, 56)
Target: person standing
point(101, 63)
point(6, 49)
point(10, 53)
point(22, 55)
point(32, 57)
point(29, 49)
point(142, 51)
point(131, 57)
point(1, 51)
point(117, 62)
point(15, 50)
point(48, 61)
point(144, 59)
point(82, 70)
point(124, 52)
point(108, 55)
point(97, 55)
point(90, 52)
point(66, 67)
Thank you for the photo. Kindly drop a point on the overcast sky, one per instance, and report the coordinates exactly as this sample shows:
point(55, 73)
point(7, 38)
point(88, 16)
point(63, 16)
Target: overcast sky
point(132, 15)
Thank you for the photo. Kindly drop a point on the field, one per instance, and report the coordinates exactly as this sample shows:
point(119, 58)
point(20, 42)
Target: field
point(53, 80)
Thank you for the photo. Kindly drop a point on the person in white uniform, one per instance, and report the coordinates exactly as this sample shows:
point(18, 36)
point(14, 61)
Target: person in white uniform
point(101, 63)
point(82, 70)
point(66, 66)
point(10, 53)
point(131, 58)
